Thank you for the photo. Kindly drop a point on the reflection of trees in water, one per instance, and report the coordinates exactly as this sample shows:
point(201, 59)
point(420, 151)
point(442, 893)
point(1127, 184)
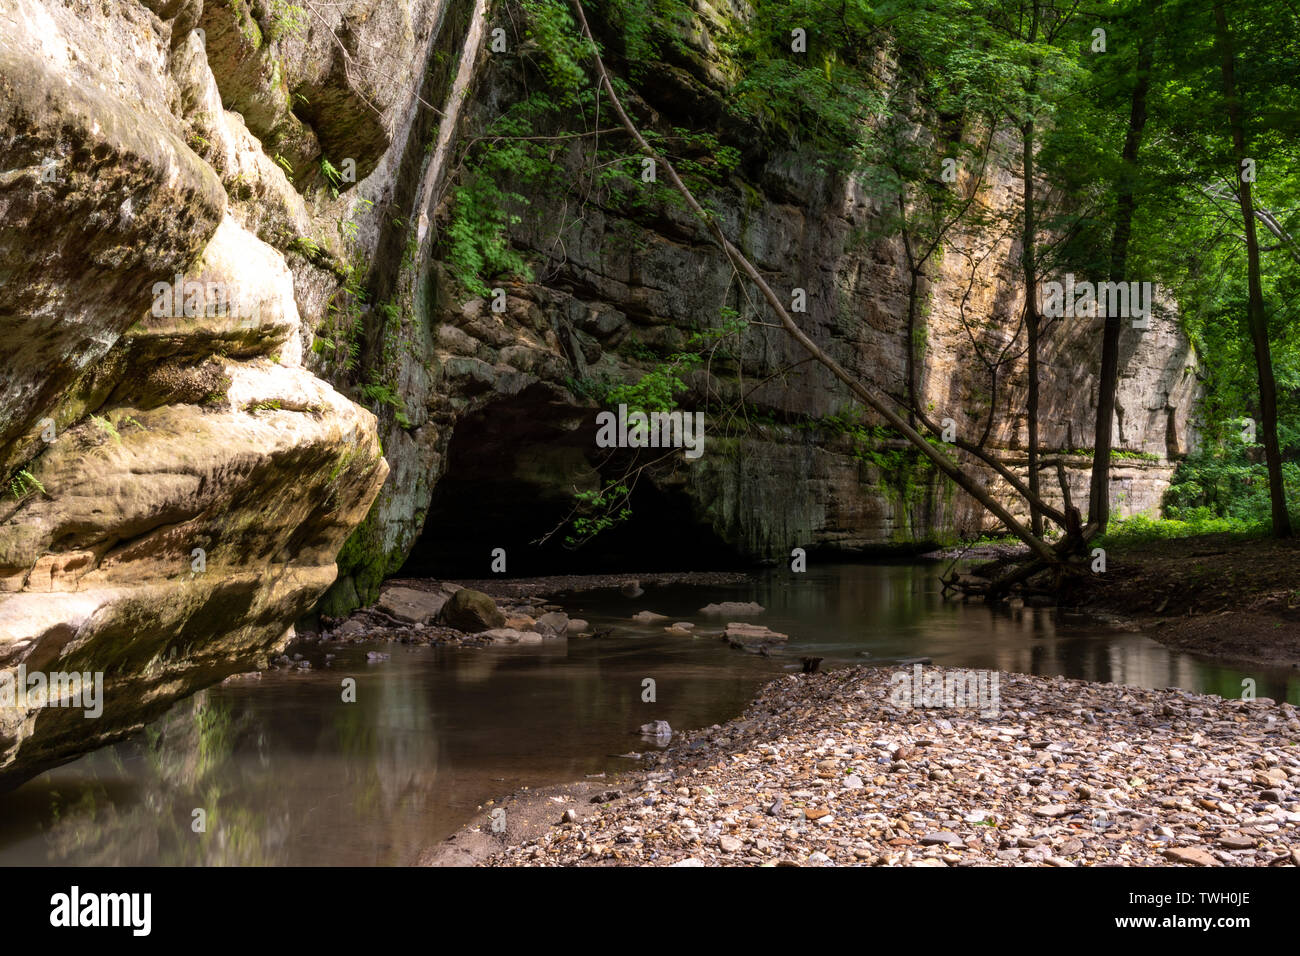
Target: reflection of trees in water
point(371, 770)
point(182, 762)
point(388, 747)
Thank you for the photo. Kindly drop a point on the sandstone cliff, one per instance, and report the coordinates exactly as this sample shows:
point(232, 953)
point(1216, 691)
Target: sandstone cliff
point(184, 467)
point(496, 431)
point(178, 483)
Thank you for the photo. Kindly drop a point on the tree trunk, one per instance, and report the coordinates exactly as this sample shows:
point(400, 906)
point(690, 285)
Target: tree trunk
point(1028, 259)
point(1258, 320)
point(1125, 206)
point(1028, 256)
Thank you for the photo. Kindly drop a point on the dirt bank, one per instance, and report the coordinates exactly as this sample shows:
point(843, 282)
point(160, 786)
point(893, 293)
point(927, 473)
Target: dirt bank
point(1231, 600)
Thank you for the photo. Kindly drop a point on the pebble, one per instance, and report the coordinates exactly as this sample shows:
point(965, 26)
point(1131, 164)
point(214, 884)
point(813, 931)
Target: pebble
point(1039, 784)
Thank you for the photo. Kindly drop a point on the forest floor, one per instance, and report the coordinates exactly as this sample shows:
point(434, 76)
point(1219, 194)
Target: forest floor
point(1216, 596)
point(829, 769)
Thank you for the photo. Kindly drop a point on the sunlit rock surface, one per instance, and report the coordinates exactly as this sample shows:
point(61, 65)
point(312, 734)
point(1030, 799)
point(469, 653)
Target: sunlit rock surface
point(177, 483)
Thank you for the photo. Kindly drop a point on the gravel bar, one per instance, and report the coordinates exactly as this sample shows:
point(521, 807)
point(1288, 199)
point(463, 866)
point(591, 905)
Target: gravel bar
point(825, 769)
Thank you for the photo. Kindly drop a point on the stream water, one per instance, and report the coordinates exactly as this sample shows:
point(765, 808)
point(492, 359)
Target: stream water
point(286, 773)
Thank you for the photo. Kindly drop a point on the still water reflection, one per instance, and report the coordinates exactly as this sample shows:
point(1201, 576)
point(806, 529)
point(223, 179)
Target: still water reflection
point(287, 773)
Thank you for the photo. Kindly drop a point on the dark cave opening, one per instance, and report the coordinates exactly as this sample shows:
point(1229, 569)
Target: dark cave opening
point(512, 470)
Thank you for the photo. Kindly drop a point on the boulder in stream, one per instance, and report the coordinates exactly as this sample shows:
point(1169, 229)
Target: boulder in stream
point(471, 611)
point(412, 605)
point(554, 624)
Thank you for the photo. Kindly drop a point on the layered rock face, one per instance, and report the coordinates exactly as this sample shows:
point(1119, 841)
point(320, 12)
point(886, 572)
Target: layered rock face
point(499, 430)
point(225, 256)
point(177, 482)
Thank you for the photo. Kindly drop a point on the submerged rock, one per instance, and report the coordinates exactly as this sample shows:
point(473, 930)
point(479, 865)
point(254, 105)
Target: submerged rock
point(752, 637)
point(732, 608)
point(508, 635)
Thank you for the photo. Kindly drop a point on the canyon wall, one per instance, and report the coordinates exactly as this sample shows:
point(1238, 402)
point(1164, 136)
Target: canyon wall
point(618, 285)
point(243, 379)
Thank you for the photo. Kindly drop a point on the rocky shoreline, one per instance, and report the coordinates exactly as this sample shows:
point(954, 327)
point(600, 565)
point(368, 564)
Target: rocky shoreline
point(827, 769)
point(411, 611)
point(1142, 594)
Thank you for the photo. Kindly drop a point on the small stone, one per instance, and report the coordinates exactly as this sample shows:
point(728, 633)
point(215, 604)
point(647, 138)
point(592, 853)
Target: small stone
point(1236, 841)
point(658, 729)
point(1193, 856)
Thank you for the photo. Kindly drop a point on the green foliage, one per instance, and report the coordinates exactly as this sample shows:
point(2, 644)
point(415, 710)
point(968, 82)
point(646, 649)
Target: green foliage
point(501, 165)
point(799, 103)
point(657, 389)
point(598, 511)
point(649, 30)
point(563, 54)
point(904, 470)
point(382, 394)
point(332, 176)
point(107, 427)
point(634, 348)
point(479, 244)
point(23, 484)
point(287, 19)
point(1142, 528)
point(1228, 479)
point(339, 337)
point(589, 390)
point(1116, 454)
